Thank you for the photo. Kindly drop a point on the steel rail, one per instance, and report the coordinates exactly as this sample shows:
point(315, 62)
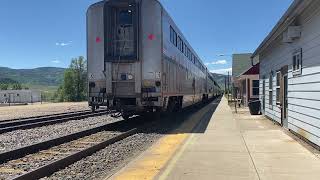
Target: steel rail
point(62, 163)
point(34, 148)
point(38, 122)
point(42, 116)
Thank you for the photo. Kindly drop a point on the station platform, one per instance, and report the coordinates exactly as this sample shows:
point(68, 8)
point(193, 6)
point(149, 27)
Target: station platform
point(216, 143)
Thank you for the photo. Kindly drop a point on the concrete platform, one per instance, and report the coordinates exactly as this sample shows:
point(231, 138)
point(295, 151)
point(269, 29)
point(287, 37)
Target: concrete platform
point(225, 146)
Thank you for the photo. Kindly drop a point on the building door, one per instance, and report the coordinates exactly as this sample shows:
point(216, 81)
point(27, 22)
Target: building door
point(248, 90)
point(263, 94)
point(285, 101)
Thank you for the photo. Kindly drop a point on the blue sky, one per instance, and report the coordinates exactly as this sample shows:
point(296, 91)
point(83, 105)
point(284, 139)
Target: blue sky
point(38, 33)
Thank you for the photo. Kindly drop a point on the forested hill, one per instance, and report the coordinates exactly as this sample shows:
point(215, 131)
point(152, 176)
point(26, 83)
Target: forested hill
point(44, 76)
point(220, 79)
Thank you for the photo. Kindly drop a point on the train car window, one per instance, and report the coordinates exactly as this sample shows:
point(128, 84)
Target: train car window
point(182, 46)
point(171, 35)
point(125, 17)
point(175, 38)
point(179, 43)
point(185, 50)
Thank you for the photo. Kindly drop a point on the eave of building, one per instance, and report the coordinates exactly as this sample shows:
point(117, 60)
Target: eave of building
point(254, 70)
point(286, 20)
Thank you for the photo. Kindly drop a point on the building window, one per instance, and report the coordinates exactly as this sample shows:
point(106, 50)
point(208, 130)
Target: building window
point(278, 93)
point(255, 87)
point(297, 62)
point(270, 89)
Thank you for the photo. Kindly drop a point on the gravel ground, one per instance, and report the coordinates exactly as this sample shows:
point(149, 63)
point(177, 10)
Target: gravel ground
point(37, 160)
point(20, 138)
point(14, 112)
point(106, 161)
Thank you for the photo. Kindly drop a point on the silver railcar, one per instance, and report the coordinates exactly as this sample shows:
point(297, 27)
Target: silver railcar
point(138, 60)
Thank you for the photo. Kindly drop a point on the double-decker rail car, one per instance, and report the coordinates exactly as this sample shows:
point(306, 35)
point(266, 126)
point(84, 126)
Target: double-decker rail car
point(139, 60)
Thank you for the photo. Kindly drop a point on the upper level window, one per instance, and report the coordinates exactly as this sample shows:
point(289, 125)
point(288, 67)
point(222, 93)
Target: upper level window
point(125, 17)
point(182, 46)
point(297, 62)
point(185, 50)
point(179, 43)
point(173, 36)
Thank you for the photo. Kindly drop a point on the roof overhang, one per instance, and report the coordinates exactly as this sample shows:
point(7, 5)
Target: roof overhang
point(287, 19)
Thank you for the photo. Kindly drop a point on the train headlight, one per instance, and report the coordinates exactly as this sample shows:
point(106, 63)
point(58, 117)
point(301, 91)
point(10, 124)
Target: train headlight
point(130, 76)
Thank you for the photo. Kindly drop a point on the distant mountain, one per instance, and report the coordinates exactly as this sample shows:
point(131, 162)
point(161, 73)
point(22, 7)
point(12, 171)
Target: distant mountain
point(52, 76)
point(44, 76)
point(220, 79)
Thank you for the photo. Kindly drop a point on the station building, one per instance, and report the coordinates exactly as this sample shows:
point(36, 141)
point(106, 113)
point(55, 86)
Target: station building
point(245, 78)
point(290, 70)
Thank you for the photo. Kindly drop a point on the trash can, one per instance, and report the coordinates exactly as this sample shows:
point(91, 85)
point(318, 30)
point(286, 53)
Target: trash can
point(254, 107)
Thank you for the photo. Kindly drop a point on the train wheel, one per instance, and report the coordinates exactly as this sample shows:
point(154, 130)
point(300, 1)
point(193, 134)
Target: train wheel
point(93, 109)
point(171, 106)
point(125, 117)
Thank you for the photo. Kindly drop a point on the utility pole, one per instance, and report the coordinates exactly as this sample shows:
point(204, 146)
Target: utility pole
point(225, 85)
point(228, 85)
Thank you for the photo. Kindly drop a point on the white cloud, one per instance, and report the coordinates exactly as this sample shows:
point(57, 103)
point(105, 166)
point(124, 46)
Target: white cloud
point(64, 43)
point(56, 61)
point(222, 71)
point(217, 62)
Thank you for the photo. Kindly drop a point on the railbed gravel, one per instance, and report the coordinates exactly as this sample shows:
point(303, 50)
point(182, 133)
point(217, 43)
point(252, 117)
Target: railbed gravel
point(37, 160)
point(109, 160)
point(20, 138)
point(105, 162)
point(13, 112)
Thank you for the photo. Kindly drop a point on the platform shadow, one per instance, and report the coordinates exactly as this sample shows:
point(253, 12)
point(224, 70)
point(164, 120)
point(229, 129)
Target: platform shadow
point(186, 121)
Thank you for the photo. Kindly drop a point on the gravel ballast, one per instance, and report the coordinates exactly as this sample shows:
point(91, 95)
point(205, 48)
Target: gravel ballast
point(14, 112)
point(20, 138)
point(107, 161)
point(42, 158)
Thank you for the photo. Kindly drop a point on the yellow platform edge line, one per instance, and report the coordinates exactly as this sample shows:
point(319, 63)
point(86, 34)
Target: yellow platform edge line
point(164, 153)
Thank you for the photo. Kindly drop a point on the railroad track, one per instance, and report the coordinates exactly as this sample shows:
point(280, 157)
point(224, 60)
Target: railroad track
point(45, 158)
point(41, 116)
point(27, 123)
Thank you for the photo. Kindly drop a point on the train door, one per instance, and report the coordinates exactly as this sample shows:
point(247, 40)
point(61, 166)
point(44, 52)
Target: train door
point(122, 32)
point(194, 89)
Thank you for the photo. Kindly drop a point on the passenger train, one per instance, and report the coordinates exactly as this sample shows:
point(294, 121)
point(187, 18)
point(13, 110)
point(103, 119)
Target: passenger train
point(139, 61)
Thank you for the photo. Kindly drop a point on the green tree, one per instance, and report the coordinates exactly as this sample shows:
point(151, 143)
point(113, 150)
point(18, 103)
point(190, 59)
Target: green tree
point(69, 86)
point(74, 86)
point(79, 69)
point(4, 86)
point(16, 86)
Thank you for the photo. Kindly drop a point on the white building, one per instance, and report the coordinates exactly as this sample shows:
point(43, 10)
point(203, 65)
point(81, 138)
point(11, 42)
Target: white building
point(290, 70)
point(19, 96)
